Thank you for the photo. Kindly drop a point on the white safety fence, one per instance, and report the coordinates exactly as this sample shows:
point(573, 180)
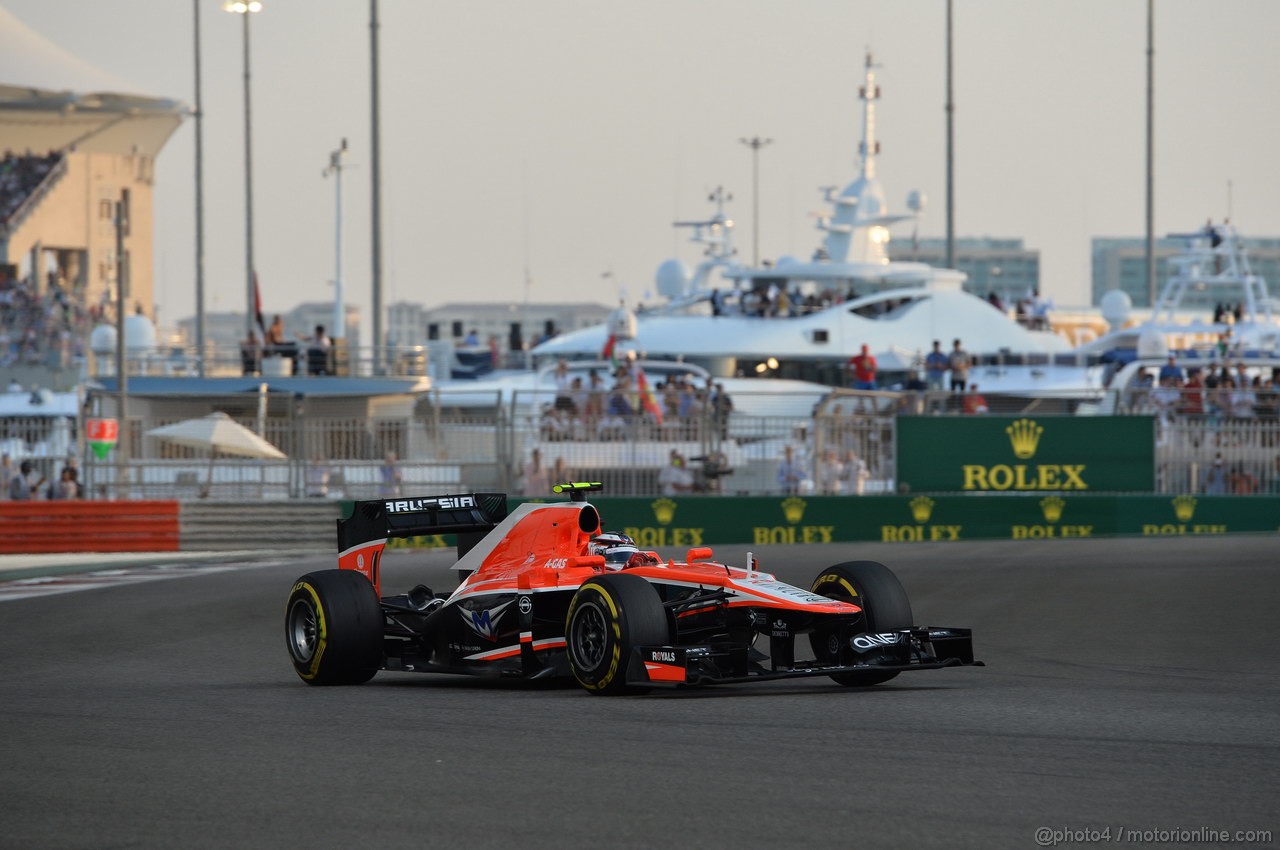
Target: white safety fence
point(1217, 456)
point(843, 443)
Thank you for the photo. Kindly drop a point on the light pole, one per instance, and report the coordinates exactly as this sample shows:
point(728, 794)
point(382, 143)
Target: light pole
point(1151, 100)
point(375, 122)
point(122, 361)
point(245, 8)
point(755, 143)
point(951, 154)
point(339, 309)
point(200, 353)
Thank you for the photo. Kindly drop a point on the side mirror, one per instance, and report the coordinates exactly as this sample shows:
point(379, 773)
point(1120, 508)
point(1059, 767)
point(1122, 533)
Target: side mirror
point(702, 553)
point(585, 561)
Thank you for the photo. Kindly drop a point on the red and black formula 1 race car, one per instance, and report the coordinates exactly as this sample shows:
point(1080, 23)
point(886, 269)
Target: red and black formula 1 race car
point(547, 593)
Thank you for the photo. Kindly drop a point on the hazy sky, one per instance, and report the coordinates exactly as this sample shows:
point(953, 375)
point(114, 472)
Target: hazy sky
point(570, 134)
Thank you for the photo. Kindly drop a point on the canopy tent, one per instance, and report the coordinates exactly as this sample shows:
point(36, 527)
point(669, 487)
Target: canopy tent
point(53, 100)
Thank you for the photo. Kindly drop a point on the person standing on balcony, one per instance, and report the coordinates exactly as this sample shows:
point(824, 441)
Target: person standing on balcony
point(1215, 480)
point(564, 387)
point(854, 473)
point(67, 486)
point(250, 354)
point(790, 472)
point(1192, 403)
point(389, 486)
point(317, 478)
point(675, 478)
point(721, 408)
point(536, 480)
point(935, 367)
point(21, 486)
point(960, 363)
point(318, 347)
point(862, 368)
point(275, 336)
point(830, 474)
point(560, 472)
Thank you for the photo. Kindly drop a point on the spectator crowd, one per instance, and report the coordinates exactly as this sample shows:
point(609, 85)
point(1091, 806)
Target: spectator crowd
point(36, 326)
point(627, 405)
point(1214, 392)
point(20, 175)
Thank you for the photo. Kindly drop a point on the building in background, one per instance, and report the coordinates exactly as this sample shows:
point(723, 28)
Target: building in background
point(221, 330)
point(406, 324)
point(83, 146)
point(1121, 263)
point(1002, 266)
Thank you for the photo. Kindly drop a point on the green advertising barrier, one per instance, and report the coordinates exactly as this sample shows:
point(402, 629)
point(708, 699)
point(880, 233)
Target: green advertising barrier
point(1012, 454)
point(665, 522)
point(672, 525)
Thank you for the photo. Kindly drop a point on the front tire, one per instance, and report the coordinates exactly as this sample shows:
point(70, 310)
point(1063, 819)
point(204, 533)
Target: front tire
point(333, 628)
point(608, 618)
point(885, 607)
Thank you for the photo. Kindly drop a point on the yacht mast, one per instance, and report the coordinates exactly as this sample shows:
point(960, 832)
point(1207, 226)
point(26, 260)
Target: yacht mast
point(856, 230)
point(869, 146)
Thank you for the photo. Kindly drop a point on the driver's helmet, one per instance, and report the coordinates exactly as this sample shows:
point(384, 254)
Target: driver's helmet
point(616, 548)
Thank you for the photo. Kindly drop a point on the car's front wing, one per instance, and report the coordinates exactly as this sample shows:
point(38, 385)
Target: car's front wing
point(916, 648)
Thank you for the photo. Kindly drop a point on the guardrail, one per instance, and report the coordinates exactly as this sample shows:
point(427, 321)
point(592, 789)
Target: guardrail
point(667, 524)
point(89, 526)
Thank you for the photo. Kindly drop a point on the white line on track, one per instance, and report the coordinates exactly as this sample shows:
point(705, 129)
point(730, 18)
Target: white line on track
point(30, 588)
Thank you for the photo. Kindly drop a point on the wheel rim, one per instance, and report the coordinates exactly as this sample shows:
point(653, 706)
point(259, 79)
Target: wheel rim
point(303, 630)
point(589, 636)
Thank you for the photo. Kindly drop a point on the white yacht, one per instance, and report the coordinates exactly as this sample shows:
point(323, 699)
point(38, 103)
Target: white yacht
point(1215, 265)
point(846, 295)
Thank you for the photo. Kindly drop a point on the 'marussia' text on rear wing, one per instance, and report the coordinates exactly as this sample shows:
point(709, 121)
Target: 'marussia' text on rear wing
point(363, 535)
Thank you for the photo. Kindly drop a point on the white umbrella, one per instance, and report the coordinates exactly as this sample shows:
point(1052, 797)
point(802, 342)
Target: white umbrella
point(217, 432)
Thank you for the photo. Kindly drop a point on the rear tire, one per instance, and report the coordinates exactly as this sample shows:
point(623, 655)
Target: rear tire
point(885, 607)
point(333, 628)
point(608, 618)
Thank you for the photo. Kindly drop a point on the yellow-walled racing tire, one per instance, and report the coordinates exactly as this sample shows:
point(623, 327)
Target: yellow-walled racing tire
point(885, 607)
point(609, 617)
point(333, 627)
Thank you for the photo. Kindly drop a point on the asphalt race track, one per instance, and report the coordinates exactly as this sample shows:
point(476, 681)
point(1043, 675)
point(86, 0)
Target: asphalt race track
point(1131, 684)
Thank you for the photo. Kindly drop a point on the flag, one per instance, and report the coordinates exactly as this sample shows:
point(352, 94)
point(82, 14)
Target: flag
point(257, 305)
point(608, 353)
point(647, 401)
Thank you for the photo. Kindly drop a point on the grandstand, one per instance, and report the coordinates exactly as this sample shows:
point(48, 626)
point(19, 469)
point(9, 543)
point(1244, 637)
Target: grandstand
point(73, 142)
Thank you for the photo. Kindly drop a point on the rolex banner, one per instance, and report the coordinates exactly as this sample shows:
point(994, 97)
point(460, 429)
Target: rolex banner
point(1025, 454)
point(673, 525)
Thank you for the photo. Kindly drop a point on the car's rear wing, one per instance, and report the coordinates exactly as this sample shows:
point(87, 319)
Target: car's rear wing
point(362, 536)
